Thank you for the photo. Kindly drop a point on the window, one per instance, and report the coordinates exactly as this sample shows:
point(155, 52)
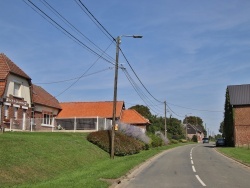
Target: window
point(15, 112)
point(6, 112)
point(47, 119)
point(17, 89)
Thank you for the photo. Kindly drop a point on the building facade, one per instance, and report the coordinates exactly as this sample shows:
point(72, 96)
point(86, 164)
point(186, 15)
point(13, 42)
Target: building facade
point(239, 96)
point(21, 101)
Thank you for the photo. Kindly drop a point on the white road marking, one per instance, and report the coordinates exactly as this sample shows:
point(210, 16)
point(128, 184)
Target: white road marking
point(202, 183)
point(193, 168)
point(192, 162)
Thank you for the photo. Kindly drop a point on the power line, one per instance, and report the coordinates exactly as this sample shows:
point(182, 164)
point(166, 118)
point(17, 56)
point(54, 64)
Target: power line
point(67, 33)
point(73, 27)
point(139, 78)
point(195, 109)
point(67, 80)
point(138, 90)
point(90, 15)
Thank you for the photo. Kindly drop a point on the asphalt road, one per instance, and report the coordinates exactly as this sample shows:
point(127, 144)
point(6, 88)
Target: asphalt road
point(198, 165)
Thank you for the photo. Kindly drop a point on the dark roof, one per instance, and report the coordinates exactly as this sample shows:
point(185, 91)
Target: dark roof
point(239, 94)
point(40, 96)
point(192, 129)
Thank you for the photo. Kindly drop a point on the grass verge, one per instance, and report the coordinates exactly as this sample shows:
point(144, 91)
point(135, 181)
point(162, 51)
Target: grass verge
point(61, 160)
point(240, 154)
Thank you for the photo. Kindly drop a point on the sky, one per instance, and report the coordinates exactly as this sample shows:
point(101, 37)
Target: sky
point(190, 52)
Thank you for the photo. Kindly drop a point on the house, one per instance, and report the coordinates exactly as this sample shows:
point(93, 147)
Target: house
point(21, 101)
point(14, 92)
point(132, 117)
point(239, 99)
point(88, 115)
point(97, 115)
point(192, 130)
point(45, 108)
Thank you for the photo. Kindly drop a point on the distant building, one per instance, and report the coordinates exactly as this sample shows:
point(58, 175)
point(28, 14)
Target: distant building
point(194, 130)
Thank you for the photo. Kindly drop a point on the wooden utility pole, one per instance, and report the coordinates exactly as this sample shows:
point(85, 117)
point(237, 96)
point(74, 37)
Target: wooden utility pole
point(165, 103)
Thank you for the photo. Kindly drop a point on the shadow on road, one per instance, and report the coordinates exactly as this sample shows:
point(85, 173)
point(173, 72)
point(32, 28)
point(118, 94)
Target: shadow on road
point(209, 146)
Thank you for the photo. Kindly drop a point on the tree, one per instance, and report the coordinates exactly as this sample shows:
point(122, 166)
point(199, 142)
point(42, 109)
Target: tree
point(174, 128)
point(228, 126)
point(221, 127)
point(143, 110)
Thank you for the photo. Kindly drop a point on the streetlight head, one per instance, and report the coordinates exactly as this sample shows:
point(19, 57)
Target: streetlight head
point(137, 36)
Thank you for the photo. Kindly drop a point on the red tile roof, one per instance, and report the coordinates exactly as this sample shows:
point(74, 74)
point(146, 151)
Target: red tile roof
point(90, 109)
point(40, 96)
point(131, 116)
point(2, 88)
point(7, 66)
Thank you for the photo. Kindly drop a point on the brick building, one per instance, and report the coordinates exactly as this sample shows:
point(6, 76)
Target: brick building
point(240, 101)
point(20, 100)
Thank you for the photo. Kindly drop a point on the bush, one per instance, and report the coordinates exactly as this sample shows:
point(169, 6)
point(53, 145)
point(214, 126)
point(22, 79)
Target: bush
point(156, 141)
point(124, 145)
point(134, 132)
point(183, 141)
point(173, 141)
point(194, 138)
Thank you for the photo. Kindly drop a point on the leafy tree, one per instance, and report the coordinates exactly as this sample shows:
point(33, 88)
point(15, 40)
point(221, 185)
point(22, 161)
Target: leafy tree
point(143, 110)
point(174, 126)
point(228, 126)
point(221, 127)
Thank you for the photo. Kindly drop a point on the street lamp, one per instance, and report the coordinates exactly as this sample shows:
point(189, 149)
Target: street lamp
point(118, 41)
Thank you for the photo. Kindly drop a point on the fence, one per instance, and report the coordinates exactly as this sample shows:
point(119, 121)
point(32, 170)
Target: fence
point(70, 124)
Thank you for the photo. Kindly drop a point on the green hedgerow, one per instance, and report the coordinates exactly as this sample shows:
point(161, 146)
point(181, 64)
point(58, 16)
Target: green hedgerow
point(123, 145)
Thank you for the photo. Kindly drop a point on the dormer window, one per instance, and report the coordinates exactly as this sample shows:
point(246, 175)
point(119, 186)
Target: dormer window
point(17, 89)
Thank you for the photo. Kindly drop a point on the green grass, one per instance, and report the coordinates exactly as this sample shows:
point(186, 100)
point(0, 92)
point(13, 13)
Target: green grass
point(61, 160)
point(240, 154)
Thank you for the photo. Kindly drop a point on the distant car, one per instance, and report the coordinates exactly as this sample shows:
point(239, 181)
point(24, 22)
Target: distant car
point(205, 140)
point(220, 142)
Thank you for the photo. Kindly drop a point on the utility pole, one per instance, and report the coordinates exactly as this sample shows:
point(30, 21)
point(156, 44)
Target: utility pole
point(112, 154)
point(165, 119)
point(118, 41)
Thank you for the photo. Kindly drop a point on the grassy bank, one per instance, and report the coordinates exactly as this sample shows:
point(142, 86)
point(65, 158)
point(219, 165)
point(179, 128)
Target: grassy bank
point(240, 154)
point(60, 160)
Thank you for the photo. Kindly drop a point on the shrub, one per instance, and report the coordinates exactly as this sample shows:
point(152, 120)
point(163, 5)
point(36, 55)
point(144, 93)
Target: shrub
point(194, 138)
point(173, 141)
point(134, 132)
point(164, 139)
point(155, 140)
point(183, 141)
point(123, 144)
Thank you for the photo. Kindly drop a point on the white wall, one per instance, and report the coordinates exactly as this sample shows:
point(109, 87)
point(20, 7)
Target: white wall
point(25, 89)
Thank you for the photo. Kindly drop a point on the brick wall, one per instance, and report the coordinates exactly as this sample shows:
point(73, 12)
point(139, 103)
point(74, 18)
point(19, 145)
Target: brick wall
point(242, 125)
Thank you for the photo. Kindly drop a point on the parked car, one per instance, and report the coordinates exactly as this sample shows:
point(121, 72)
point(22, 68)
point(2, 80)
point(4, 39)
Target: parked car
point(220, 142)
point(205, 140)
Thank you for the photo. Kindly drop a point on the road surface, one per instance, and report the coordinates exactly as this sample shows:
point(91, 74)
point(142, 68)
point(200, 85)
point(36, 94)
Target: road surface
point(190, 166)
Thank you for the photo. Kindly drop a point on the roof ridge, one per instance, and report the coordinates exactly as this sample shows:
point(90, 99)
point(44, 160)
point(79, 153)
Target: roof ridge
point(91, 102)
